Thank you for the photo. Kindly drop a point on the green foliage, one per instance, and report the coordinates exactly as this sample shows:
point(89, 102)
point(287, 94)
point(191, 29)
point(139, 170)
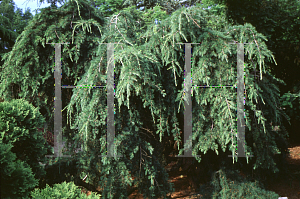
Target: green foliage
point(152, 53)
point(279, 21)
point(108, 7)
point(150, 15)
point(60, 170)
point(291, 104)
point(19, 121)
point(228, 184)
point(36, 61)
point(17, 178)
point(149, 83)
point(62, 191)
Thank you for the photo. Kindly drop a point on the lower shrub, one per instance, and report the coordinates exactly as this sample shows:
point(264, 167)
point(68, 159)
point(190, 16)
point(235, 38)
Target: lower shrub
point(228, 184)
point(62, 191)
point(16, 176)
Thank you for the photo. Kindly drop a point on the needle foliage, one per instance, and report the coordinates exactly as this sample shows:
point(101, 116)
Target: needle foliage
point(149, 89)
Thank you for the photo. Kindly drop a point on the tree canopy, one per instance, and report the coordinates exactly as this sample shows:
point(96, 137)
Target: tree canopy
point(149, 89)
point(279, 21)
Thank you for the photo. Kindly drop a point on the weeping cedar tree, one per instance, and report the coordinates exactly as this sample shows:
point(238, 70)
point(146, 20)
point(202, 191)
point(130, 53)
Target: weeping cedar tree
point(149, 80)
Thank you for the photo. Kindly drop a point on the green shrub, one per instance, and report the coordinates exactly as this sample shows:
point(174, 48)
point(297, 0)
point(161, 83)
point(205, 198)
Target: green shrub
point(60, 171)
point(228, 184)
point(19, 121)
point(291, 104)
point(16, 176)
point(62, 191)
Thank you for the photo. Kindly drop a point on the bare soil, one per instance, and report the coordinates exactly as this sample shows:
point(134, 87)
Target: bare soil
point(290, 188)
point(184, 187)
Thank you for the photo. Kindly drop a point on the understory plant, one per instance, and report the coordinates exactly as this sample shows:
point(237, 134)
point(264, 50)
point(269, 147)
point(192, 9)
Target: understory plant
point(63, 191)
point(226, 183)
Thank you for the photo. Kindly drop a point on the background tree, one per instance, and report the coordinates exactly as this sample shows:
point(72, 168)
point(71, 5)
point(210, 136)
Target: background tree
point(12, 24)
point(107, 8)
point(169, 6)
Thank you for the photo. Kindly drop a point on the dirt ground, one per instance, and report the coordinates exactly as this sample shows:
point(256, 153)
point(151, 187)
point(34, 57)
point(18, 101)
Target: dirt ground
point(288, 188)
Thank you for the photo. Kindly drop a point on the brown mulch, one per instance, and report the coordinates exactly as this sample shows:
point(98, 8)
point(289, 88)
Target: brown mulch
point(184, 187)
point(290, 188)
